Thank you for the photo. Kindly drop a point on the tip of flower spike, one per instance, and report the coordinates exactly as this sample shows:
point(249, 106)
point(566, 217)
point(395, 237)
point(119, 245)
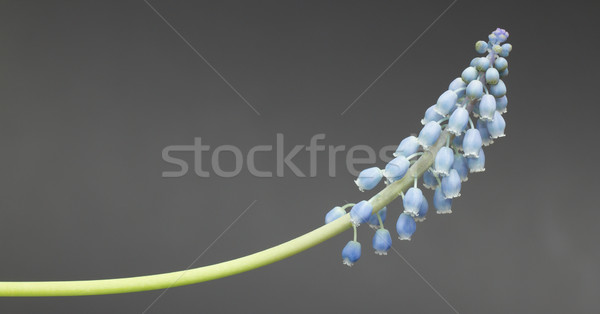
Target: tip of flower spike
point(347, 262)
point(380, 252)
point(444, 212)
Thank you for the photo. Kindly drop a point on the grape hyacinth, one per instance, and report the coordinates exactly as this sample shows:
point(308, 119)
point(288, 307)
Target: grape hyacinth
point(466, 117)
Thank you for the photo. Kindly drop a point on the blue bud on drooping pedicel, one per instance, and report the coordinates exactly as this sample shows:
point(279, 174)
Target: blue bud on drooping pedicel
point(482, 64)
point(487, 107)
point(499, 89)
point(334, 214)
point(481, 46)
point(442, 204)
point(396, 169)
point(501, 104)
point(443, 161)
point(486, 138)
point(458, 86)
point(501, 64)
point(374, 221)
point(382, 241)
point(429, 134)
point(506, 49)
point(458, 121)
point(492, 76)
point(429, 180)
point(412, 201)
point(368, 178)
point(431, 115)
point(473, 62)
point(475, 89)
point(477, 164)
point(422, 211)
point(446, 102)
point(361, 212)
point(471, 143)
point(497, 49)
point(461, 166)
point(351, 253)
point(451, 184)
point(407, 147)
point(504, 73)
point(496, 126)
point(469, 74)
point(457, 141)
point(405, 226)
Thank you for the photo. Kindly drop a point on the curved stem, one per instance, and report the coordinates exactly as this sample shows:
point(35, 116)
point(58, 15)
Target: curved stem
point(224, 269)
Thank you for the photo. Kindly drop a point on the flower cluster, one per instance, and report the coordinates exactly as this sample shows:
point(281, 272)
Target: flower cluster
point(478, 94)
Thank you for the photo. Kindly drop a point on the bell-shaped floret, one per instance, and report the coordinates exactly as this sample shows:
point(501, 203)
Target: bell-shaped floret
point(446, 102)
point(334, 214)
point(471, 143)
point(374, 220)
point(486, 139)
point(429, 180)
point(351, 253)
point(477, 164)
point(382, 241)
point(443, 161)
point(458, 121)
point(431, 115)
point(396, 169)
point(487, 107)
point(497, 126)
point(442, 204)
point(368, 178)
point(460, 165)
point(475, 89)
point(360, 213)
point(422, 211)
point(451, 184)
point(412, 201)
point(429, 134)
point(405, 226)
point(407, 147)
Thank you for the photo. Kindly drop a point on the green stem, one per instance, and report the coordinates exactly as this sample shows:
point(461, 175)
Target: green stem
point(224, 269)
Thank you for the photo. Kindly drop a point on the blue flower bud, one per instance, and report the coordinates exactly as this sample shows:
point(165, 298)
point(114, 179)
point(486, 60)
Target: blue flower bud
point(499, 89)
point(506, 49)
point(368, 178)
point(429, 134)
point(446, 102)
point(443, 161)
point(458, 121)
point(431, 115)
point(487, 107)
point(472, 143)
point(497, 49)
point(486, 138)
point(360, 213)
point(442, 204)
point(475, 89)
point(374, 221)
point(501, 104)
point(396, 169)
point(500, 64)
point(429, 181)
point(412, 201)
point(492, 76)
point(461, 166)
point(405, 226)
point(458, 86)
point(469, 74)
point(481, 46)
point(498, 36)
point(504, 73)
point(457, 141)
point(496, 126)
point(422, 211)
point(451, 184)
point(407, 147)
point(477, 164)
point(382, 241)
point(351, 253)
point(334, 214)
point(482, 64)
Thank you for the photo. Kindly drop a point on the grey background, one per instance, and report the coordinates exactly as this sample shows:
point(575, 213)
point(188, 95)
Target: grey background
point(91, 92)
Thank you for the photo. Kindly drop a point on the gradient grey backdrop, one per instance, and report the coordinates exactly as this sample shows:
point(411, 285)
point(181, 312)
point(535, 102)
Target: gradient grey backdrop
point(91, 92)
